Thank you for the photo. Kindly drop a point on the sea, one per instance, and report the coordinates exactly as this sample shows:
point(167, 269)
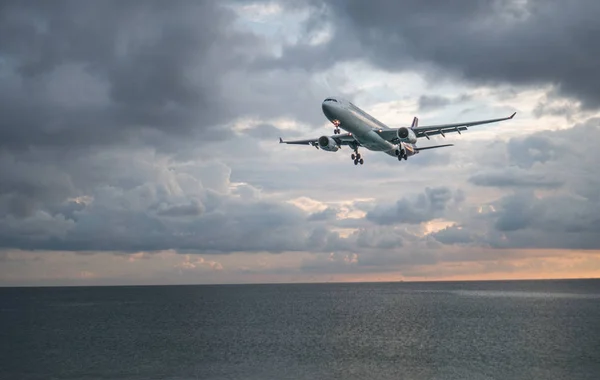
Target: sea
point(405, 330)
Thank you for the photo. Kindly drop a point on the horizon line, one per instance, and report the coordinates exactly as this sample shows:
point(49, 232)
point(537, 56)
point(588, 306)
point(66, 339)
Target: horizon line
point(306, 283)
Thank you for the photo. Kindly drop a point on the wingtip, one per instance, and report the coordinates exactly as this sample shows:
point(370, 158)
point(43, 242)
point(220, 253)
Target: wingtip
point(513, 115)
point(280, 140)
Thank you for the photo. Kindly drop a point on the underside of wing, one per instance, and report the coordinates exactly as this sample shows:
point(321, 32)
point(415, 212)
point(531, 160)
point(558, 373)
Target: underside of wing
point(341, 139)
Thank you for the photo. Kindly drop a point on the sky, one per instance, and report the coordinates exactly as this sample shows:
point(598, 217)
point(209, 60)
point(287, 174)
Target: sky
point(139, 141)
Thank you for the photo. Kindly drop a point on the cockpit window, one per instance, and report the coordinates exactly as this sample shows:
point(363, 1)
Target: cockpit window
point(330, 100)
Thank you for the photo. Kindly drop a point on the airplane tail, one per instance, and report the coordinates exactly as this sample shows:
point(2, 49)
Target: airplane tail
point(415, 123)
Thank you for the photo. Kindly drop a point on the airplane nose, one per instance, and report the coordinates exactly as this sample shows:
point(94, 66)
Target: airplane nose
point(328, 109)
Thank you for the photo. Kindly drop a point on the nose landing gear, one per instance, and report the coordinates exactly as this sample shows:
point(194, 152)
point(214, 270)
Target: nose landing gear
point(336, 130)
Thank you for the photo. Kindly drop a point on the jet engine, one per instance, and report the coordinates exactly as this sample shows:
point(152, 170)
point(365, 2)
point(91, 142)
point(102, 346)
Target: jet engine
point(328, 144)
point(407, 135)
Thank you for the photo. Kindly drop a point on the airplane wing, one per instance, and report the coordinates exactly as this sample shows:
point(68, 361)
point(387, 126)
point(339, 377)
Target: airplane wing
point(432, 147)
point(441, 129)
point(426, 131)
point(341, 139)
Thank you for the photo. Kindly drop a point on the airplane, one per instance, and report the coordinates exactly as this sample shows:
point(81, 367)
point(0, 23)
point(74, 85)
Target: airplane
point(363, 130)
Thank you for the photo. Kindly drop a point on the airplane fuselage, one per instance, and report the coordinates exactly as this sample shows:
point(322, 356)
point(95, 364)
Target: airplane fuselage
point(363, 127)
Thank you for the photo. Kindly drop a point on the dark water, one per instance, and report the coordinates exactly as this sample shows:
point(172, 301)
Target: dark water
point(478, 330)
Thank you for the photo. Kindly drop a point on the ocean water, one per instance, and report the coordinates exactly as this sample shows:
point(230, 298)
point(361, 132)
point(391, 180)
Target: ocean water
point(459, 330)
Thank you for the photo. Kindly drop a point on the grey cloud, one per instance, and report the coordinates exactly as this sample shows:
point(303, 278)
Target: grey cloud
point(96, 98)
point(563, 215)
point(149, 207)
point(266, 131)
point(553, 105)
point(382, 238)
point(513, 177)
point(153, 67)
point(428, 102)
point(534, 149)
point(192, 209)
point(328, 214)
point(516, 213)
point(454, 235)
point(426, 206)
point(523, 43)
point(132, 73)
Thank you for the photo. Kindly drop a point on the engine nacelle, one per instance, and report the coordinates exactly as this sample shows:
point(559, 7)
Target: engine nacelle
point(328, 144)
point(407, 135)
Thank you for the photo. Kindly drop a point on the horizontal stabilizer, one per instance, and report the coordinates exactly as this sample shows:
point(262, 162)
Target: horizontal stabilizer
point(435, 146)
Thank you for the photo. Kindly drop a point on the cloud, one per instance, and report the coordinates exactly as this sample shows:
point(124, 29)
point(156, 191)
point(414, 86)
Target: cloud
point(426, 206)
point(513, 177)
point(429, 102)
point(553, 198)
point(121, 73)
point(132, 129)
point(106, 72)
point(159, 210)
point(483, 42)
point(126, 106)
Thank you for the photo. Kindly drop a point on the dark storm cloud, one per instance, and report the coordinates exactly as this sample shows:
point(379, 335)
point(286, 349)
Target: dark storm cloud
point(530, 43)
point(99, 72)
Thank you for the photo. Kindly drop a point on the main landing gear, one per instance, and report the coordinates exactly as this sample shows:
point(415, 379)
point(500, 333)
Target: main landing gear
point(357, 158)
point(402, 154)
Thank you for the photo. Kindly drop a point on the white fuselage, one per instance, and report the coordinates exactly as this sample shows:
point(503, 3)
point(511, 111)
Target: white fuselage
point(362, 126)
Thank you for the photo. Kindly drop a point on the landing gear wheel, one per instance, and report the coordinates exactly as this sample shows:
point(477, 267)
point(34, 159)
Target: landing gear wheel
point(400, 154)
point(356, 157)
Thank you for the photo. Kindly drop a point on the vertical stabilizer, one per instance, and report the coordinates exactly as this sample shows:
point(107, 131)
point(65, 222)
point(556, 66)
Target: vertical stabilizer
point(415, 123)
